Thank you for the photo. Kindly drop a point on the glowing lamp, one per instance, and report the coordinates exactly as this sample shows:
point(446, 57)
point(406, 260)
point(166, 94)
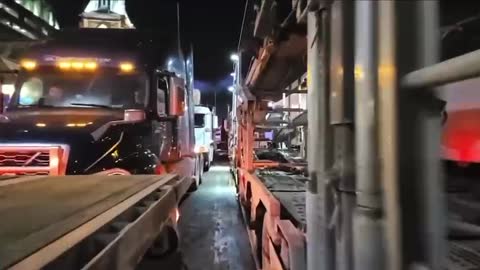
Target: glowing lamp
point(234, 57)
point(126, 67)
point(77, 65)
point(200, 149)
point(64, 65)
point(90, 65)
point(28, 64)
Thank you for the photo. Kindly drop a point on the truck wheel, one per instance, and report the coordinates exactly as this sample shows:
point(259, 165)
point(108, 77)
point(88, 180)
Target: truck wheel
point(206, 163)
point(200, 170)
point(198, 174)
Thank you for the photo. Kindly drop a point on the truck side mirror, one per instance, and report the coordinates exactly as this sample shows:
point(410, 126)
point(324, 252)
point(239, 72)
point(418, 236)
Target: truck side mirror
point(176, 97)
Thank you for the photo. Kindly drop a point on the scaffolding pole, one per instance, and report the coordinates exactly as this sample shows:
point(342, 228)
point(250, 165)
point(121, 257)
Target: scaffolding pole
point(367, 222)
point(320, 239)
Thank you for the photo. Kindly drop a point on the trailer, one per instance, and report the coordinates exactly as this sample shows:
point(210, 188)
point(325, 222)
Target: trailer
point(271, 186)
point(88, 221)
point(372, 195)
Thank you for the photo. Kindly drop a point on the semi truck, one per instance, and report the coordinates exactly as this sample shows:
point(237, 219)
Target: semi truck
point(97, 150)
point(81, 106)
point(206, 123)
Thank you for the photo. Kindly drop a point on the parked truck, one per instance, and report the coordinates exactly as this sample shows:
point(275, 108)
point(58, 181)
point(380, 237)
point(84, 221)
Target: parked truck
point(81, 106)
point(96, 150)
point(206, 123)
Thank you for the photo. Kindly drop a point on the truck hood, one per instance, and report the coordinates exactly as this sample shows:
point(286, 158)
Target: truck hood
point(41, 124)
point(72, 127)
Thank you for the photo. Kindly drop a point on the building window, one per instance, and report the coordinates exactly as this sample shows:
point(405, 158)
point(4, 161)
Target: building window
point(104, 4)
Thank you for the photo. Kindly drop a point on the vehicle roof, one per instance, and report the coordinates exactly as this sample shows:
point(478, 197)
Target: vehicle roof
point(202, 109)
point(125, 44)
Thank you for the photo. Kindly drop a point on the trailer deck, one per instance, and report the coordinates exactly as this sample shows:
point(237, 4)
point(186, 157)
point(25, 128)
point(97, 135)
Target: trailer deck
point(289, 189)
point(58, 222)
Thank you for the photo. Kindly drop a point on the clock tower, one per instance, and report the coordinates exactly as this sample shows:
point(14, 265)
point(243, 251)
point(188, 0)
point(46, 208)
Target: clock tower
point(105, 14)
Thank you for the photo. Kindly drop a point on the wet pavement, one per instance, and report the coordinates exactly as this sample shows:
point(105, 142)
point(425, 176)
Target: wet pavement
point(213, 235)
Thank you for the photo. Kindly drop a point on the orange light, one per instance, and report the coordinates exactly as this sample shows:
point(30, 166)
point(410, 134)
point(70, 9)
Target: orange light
point(28, 64)
point(78, 124)
point(90, 65)
point(41, 125)
point(177, 214)
point(64, 65)
point(126, 66)
point(77, 65)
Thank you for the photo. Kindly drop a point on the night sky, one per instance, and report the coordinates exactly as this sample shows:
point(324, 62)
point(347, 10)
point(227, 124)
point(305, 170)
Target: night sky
point(212, 26)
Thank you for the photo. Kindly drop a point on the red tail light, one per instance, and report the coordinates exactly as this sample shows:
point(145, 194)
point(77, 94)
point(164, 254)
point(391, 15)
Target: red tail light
point(461, 136)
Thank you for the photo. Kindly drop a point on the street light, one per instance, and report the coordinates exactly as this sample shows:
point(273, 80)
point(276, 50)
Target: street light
point(231, 88)
point(234, 57)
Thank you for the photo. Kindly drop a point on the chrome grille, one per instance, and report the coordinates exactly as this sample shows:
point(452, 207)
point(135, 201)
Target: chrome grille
point(25, 158)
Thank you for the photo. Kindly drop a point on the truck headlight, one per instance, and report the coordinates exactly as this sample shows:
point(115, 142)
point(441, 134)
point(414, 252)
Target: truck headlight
point(200, 149)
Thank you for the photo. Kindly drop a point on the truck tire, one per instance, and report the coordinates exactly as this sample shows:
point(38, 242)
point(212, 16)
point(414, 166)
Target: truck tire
point(198, 174)
point(206, 162)
point(200, 170)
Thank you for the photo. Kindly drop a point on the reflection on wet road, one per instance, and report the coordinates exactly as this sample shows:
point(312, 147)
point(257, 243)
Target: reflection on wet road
point(213, 235)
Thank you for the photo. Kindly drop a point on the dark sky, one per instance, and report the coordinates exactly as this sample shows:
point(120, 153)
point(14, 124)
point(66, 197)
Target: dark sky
point(212, 25)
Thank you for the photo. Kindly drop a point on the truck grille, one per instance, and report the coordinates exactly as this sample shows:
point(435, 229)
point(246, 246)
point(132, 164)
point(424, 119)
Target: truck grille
point(26, 158)
point(33, 160)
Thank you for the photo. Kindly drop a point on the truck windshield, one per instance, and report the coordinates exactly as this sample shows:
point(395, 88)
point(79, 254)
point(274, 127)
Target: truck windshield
point(199, 120)
point(106, 89)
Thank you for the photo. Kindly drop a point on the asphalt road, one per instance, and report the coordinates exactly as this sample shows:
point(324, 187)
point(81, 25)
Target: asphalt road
point(212, 232)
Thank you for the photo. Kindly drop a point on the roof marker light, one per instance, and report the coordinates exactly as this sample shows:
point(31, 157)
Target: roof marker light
point(90, 65)
point(126, 66)
point(77, 65)
point(28, 64)
point(64, 65)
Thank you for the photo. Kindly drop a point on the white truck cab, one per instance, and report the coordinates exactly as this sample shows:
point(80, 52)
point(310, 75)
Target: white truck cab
point(205, 122)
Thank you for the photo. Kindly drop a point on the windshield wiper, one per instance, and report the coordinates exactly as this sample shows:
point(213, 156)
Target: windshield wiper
point(91, 105)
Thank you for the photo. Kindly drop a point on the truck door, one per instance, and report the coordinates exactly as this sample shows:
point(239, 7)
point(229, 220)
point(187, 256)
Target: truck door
point(161, 130)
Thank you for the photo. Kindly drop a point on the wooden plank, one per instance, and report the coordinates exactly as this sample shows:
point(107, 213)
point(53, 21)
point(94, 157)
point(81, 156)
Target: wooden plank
point(39, 212)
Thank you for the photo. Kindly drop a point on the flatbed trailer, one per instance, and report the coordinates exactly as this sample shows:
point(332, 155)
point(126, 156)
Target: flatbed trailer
point(273, 204)
point(86, 222)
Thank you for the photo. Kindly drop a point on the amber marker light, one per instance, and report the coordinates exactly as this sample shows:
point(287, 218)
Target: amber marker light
point(91, 65)
point(64, 65)
point(126, 66)
point(77, 65)
point(28, 64)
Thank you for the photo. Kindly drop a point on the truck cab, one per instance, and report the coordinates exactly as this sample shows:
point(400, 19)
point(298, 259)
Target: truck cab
point(206, 123)
point(80, 107)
